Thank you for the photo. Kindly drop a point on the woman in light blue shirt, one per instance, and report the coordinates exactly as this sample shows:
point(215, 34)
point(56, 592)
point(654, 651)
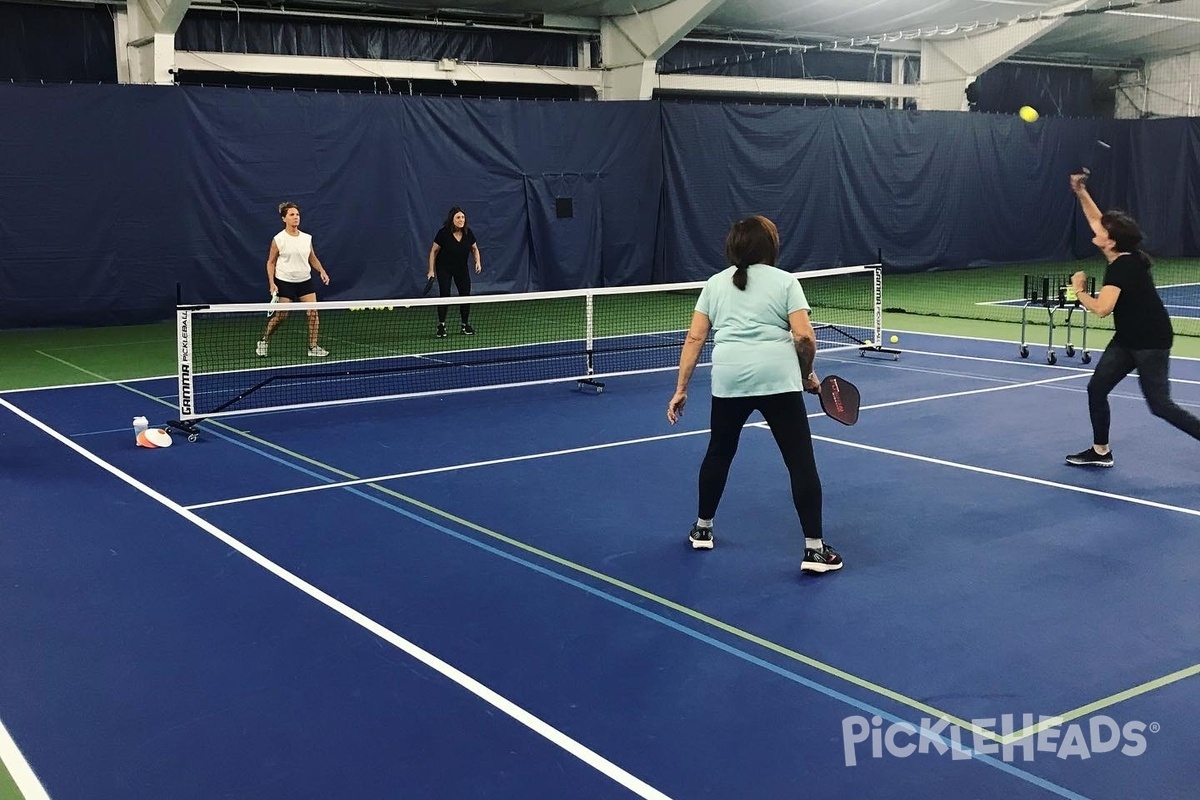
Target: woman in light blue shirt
point(762, 361)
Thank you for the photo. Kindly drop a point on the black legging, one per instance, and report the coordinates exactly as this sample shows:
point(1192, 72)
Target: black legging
point(788, 421)
point(1153, 370)
point(461, 277)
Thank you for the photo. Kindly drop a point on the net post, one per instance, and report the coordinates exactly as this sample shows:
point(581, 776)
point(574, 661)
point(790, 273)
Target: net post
point(185, 348)
point(877, 348)
point(590, 330)
point(589, 384)
point(877, 300)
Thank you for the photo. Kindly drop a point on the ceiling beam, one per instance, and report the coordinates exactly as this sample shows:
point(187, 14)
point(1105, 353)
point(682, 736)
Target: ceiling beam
point(446, 69)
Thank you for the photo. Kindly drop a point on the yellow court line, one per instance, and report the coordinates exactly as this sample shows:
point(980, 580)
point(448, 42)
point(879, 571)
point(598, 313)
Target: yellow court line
point(1102, 703)
point(775, 647)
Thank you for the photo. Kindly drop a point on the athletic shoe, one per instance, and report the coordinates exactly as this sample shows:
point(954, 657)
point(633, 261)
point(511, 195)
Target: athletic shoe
point(260, 349)
point(824, 560)
point(441, 330)
point(317, 352)
point(701, 538)
point(467, 330)
point(1090, 458)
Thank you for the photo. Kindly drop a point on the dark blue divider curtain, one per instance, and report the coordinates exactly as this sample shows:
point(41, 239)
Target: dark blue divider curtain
point(225, 31)
point(110, 195)
point(1157, 167)
point(1053, 91)
point(575, 241)
point(931, 190)
point(764, 61)
point(56, 43)
point(94, 207)
point(613, 150)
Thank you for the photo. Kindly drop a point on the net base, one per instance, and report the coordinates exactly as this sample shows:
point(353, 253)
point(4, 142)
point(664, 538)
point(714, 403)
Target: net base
point(872, 350)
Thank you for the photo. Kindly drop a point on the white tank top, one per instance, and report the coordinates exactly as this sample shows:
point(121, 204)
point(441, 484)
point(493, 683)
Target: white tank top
point(292, 264)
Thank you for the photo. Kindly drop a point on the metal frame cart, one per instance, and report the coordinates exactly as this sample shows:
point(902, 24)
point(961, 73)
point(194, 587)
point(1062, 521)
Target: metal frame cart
point(1054, 293)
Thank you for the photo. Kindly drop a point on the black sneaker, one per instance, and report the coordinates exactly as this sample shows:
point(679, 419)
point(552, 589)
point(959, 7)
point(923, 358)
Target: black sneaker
point(441, 330)
point(701, 538)
point(1090, 458)
point(824, 560)
point(467, 330)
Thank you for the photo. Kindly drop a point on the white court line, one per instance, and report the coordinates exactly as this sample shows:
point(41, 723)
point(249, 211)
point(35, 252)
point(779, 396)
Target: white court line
point(968, 392)
point(994, 360)
point(763, 425)
point(1195, 512)
point(22, 774)
point(985, 339)
point(492, 698)
point(434, 470)
point(1060, 367)
point(586, 448)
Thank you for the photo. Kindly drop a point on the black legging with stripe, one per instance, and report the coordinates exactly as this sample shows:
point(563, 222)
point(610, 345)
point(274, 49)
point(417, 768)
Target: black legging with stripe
point(788, 421)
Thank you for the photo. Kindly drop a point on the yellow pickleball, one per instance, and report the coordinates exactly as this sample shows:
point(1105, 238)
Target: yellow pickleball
point(1028, 113)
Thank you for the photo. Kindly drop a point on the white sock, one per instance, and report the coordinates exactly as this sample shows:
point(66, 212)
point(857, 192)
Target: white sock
point(704, 523)
point(814, 544)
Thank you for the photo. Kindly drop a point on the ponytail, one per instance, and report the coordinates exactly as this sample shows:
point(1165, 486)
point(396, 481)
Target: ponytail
point(740, 274)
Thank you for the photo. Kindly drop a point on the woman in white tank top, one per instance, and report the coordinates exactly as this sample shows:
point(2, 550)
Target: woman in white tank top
point(289, 277)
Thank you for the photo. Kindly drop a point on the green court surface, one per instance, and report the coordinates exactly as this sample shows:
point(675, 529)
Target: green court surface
point(995, 293)
point(78, 355)
point(8, 790)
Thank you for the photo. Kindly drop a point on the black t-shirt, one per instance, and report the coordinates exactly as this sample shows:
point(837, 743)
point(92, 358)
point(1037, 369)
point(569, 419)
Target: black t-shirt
point(1140, 318)
point(453, 255)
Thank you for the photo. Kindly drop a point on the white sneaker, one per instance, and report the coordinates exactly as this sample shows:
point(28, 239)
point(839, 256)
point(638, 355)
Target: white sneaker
point(260, 349)
point(317, 352)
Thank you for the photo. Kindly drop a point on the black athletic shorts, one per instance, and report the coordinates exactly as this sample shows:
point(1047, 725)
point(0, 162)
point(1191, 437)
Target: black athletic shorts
point(294, 291)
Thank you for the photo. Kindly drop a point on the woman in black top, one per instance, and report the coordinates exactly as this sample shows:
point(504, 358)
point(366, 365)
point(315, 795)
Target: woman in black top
point(452, 244)
point(1143, 335)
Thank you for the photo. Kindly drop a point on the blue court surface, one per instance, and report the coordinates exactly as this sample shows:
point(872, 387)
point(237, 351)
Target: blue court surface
point(490, 595)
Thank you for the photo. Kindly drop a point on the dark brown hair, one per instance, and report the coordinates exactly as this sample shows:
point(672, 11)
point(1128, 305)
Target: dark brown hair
point(449, 223)
point(1123, 230)
point(753, 240)
point(284, 207)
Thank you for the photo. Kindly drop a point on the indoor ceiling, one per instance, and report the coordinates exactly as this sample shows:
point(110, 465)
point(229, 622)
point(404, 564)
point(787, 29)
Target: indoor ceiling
point(1101, 31)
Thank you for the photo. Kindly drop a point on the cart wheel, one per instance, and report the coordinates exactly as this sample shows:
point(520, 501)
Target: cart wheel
point(193, 437)
point(1024, 352)
point(1051, 358)
point(1086, 358)
point(1070, 350)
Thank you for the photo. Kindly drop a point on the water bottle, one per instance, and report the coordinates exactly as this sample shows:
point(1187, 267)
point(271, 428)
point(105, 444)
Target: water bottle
point(140, 424)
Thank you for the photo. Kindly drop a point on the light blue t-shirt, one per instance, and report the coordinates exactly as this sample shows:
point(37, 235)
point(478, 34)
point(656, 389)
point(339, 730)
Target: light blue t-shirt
point(753, 352)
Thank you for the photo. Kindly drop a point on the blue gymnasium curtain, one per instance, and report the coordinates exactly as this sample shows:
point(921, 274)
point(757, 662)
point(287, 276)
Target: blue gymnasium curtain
point(110, 195)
